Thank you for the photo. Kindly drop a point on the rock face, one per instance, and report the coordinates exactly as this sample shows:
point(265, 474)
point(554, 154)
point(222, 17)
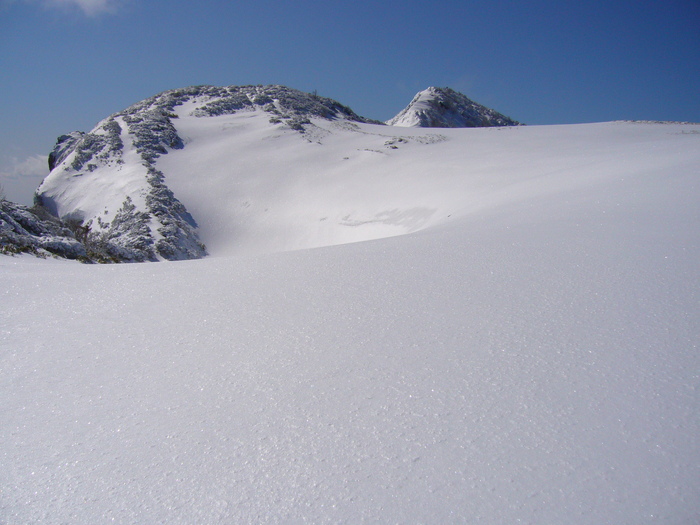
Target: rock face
point(445, 108)
point(108, 182)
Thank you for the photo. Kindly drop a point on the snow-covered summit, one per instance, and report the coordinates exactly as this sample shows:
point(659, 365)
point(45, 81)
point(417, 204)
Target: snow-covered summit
point(446, 108)
point(108, 179)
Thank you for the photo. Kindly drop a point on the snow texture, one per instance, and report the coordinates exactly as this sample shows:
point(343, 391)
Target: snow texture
point(515, 341)
point(446, 108)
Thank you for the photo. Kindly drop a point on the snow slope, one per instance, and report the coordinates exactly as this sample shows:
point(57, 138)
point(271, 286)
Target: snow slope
point(527, 352)
point(254, 188)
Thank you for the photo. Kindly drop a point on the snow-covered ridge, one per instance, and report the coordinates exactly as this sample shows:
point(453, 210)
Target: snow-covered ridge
point(107, 179)
point(115, 180)
point(445, 108)
point(151, 223)
point(260, 169)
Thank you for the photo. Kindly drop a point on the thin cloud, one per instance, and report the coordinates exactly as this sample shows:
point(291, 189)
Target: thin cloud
point(34, 166)
point(19, 178)
point(88, 7)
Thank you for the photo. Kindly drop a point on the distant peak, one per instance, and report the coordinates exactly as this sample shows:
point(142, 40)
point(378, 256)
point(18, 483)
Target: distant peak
point(443, 107)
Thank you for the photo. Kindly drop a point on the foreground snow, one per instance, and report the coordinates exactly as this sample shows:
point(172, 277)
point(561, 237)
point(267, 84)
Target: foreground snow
point(530, 355)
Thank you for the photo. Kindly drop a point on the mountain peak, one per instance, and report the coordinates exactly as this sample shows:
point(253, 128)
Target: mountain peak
point(438, 107)
point(108, 183)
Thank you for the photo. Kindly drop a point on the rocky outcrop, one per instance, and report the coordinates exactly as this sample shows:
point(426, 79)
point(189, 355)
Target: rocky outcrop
point(34, 231)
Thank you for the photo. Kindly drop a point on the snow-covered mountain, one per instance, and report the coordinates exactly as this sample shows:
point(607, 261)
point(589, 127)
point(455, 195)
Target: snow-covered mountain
point(515, 342)
point(446, 108)
point(133, 180)
point(110, 180)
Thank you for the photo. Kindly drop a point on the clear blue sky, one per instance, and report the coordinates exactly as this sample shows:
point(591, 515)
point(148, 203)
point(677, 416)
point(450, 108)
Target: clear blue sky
point(66, 64)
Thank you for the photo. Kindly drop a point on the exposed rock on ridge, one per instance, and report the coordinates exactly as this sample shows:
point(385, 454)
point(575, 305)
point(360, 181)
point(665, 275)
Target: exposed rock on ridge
point(80, 154)
point(27, 230)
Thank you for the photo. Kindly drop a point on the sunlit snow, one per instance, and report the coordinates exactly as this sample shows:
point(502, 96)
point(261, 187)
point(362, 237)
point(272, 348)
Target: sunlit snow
point(514, 341)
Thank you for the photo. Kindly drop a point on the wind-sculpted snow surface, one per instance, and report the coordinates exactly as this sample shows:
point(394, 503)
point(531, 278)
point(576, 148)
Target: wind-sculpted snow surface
point(528, 355)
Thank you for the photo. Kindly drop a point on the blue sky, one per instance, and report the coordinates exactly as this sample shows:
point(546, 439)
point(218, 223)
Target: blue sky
point(66, 64)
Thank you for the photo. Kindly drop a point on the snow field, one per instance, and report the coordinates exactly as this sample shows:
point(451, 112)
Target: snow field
point(530, 358)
